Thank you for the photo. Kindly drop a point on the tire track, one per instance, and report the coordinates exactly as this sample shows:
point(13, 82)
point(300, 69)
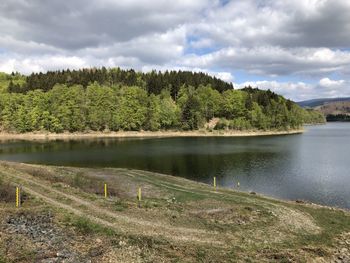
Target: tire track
point(123, 223)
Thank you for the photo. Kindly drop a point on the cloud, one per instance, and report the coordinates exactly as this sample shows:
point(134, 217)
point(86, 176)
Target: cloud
point(39, 64)
point(330, 84)
point(303, 40)
point(275, 61)
point(307, 23)
point(80, 24)
point(299, 91)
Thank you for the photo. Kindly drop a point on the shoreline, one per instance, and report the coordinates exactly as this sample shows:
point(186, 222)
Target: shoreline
point(32, 136)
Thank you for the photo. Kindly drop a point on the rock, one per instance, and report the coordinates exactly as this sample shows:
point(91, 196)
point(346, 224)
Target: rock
point(45, 235)
point(122, 243)
point(62, 254)
point(344, 250)
point(95, 252)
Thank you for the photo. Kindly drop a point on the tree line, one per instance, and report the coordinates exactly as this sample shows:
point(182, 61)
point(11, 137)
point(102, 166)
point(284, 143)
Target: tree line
point(105, 107)
point(338, 117)
point(153, 82)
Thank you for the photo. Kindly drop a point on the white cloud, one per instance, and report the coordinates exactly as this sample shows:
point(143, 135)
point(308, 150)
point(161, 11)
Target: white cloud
point(40, 64)
point(226, 76)
point(331, 84)
point(299, 91)
point(275, 61)
point(305, 39)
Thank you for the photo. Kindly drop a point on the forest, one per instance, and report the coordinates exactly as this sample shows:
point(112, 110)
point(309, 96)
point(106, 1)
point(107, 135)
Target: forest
point(338, 117)
point(124, 100)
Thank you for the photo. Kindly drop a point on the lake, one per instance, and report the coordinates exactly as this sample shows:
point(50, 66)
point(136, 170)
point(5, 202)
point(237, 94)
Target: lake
point(313, 166)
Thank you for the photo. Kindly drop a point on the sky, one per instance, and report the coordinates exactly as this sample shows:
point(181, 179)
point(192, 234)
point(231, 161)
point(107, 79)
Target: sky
point(297, 48)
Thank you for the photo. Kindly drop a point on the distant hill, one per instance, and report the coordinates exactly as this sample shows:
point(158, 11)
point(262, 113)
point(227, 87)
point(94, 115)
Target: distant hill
point(337, 107)
point(335, 111)
point(319, 102)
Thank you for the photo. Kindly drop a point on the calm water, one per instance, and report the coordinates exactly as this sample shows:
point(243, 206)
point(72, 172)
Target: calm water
point(314, 166)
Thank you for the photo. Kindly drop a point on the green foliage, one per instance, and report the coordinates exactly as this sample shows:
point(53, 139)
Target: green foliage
point(68, 106)
point(153, 113)
point(170, 112)
point(209, 101)
point(14, 80)
point(222, 124)
point(240, 124)
point(311, 116)
point(132, 108)
point(154, 104)
point(233, 104)
point(191, 111)
point(101, 103)
point(257, 117)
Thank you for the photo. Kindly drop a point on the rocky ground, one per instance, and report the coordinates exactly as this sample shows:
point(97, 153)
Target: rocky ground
point(50, 243)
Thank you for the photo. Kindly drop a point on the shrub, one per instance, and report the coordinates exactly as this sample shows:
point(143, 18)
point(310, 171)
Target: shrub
point(240, 124)
point(7, 192)
point(222, 124)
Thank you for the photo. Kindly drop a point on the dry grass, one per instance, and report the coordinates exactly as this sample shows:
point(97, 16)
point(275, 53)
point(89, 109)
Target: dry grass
point(7, 192)
point(179, 220)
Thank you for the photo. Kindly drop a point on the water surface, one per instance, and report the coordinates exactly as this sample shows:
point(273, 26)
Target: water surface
point(313, 166)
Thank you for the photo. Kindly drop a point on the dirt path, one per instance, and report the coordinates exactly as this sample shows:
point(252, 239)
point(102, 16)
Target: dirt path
point(120, 223)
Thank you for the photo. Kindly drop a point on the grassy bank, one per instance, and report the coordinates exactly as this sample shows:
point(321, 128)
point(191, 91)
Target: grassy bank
point(177, 220)
point(146, 134)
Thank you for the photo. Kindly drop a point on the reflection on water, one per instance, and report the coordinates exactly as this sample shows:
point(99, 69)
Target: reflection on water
point(313, 166)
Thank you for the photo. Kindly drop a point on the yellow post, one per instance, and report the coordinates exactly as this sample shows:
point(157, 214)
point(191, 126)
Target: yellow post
point(238, 184)
point(18, 203)
point(139, 195)
point(215, 182)
point(106, 193)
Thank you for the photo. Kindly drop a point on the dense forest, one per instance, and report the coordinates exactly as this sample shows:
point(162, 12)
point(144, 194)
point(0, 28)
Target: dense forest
point(153, 82)
point(125, 100)
point(338, 117)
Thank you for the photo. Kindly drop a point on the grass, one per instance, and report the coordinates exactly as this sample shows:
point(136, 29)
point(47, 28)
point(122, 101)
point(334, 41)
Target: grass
point(86, 226)
point(2, 259)
point(333, 222)
point(7, 191)
point(252, 228)
point(120, 206)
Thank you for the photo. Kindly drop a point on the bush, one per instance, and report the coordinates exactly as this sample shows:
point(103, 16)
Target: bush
point(240, 124)
point(7, 192)
point(235, 124)
point(222, 124)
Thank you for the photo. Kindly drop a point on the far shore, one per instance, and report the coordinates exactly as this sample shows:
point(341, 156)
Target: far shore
point(140, 134)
